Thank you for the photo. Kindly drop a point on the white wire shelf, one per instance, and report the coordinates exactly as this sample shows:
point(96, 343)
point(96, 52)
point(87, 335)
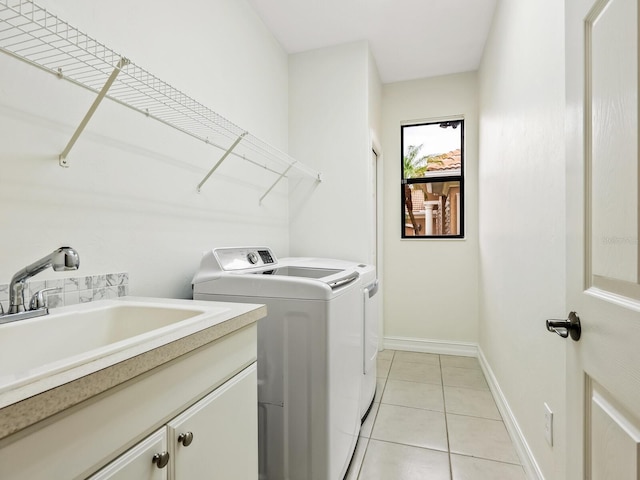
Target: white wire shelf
point(36, 36)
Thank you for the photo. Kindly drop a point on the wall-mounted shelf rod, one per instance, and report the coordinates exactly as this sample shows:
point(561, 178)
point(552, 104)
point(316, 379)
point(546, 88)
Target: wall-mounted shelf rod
point(94, 106)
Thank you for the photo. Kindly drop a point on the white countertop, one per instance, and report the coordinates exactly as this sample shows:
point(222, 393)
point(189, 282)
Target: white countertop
point(36, 397)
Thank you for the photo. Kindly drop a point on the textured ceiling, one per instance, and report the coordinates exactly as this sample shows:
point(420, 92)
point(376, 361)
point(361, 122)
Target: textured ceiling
point(409, 38)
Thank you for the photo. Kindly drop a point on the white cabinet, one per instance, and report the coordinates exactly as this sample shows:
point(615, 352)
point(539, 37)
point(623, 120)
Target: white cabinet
point(216, 438)
point(211, 392)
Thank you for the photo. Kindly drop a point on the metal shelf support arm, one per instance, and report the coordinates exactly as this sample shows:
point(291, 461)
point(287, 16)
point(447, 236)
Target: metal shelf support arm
point(282, 175)
point(94, 106)
point(224, 156)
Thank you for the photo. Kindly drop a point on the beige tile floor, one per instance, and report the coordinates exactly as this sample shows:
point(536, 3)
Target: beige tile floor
point(433, 418)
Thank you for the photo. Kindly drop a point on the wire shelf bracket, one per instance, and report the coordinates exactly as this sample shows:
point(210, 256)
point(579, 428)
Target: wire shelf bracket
point(224, 156)
point(94, 106)
point(282, 175)
point(30, 33)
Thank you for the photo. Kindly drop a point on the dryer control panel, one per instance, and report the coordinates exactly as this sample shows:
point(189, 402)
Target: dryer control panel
point(240, 258)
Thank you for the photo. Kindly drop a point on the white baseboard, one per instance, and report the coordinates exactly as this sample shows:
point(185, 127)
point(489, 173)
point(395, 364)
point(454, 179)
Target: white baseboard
point(531, 468)
point(431, 346)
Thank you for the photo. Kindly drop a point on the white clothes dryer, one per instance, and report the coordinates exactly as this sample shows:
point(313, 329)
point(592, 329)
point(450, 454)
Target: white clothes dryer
point(309, 356)
point(369, 326)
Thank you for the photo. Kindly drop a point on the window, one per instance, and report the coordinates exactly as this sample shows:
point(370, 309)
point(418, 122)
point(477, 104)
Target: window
point(432, 187)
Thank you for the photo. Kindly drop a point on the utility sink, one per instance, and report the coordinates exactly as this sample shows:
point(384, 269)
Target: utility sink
point(77, 335)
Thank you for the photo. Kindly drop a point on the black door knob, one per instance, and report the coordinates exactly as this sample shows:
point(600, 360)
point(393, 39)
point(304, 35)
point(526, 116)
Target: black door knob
point(564, 328)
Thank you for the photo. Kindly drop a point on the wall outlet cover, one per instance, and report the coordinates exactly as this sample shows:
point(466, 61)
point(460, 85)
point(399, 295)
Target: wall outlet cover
point(548, 424)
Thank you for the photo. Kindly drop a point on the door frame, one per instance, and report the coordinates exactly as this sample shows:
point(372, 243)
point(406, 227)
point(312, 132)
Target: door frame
point(376, 147)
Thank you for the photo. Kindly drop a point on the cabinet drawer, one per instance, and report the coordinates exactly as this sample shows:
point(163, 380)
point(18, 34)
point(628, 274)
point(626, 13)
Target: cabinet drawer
point(136, 463)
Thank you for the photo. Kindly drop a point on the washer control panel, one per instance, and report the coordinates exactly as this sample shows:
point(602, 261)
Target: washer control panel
point(240, 258)
point(266, 257)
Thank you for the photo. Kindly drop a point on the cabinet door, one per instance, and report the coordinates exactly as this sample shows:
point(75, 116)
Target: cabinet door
point(224, 433)
point(137, 463)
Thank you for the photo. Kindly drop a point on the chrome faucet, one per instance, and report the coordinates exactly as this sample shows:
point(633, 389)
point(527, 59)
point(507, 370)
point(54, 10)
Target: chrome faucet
point(61, 259)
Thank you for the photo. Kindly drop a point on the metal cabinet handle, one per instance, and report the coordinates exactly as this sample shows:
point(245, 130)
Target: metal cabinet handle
point(564, 328)
point(161, 459)
point(185, 438)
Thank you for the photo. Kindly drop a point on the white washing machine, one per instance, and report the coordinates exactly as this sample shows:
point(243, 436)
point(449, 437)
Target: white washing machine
point(309, 356)
point(369, 325)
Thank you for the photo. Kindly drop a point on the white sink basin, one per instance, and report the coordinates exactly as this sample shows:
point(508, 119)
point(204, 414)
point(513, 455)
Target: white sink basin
point(71, 336)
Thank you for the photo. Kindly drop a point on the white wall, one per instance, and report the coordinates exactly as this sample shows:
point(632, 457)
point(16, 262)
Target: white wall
point(431, 286)
point(522, 228)
point(331, 95)
point(128, 202)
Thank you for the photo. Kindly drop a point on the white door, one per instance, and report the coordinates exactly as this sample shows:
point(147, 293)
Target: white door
point(603, 367)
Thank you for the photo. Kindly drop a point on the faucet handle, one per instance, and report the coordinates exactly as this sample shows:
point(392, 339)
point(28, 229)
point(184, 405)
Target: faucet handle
point(39, 300)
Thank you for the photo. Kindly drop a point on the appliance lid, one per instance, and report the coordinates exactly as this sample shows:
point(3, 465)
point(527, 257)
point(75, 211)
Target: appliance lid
point(367, 272)
point(333, 277)
point(255, 270)
point(300, 272)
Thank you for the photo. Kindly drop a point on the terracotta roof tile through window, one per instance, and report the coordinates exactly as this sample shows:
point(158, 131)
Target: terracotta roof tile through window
point(446, 161)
